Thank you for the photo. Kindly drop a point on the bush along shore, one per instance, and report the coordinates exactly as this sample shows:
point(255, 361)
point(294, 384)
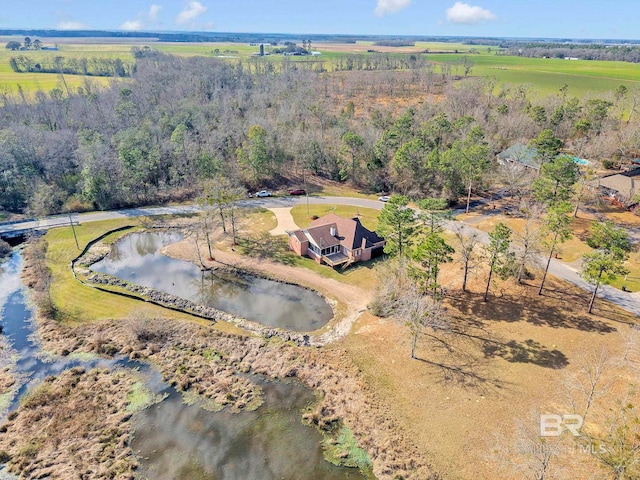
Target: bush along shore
point(202, 363)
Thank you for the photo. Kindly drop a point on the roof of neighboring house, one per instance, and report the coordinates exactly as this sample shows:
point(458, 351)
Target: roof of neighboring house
point(349, 233)
point(623, 184)
point(522, 154)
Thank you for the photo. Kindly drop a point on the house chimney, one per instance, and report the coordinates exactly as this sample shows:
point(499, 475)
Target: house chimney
point(333, 230)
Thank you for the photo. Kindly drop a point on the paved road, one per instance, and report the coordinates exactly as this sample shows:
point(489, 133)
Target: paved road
point(628, 301)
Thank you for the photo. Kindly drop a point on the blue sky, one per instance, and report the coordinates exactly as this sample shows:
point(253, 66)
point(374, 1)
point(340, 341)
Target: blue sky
point(503, 18)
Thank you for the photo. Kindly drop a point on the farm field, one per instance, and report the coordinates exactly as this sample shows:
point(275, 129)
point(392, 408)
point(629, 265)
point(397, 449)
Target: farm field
point(542, 76)
point(548, 75)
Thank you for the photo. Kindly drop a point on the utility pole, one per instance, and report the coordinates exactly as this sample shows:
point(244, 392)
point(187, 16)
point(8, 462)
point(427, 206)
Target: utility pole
point(306, 192)
point(74, 231)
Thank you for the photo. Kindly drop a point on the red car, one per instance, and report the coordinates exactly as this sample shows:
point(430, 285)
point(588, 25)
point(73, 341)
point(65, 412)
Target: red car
point(297, 191)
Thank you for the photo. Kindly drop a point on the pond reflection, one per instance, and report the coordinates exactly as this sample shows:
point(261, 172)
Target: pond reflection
point(137, 258)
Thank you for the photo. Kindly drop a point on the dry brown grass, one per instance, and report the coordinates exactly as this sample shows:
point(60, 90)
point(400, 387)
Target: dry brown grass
point(569, 251)
point(620, 217)
point(414, 417)
point(202, 362)
point(501, 359)
point(72, 426)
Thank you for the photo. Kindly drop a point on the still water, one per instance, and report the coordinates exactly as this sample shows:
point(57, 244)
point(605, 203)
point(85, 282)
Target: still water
point(270, 443)
point(178, 441)
point(137, 259)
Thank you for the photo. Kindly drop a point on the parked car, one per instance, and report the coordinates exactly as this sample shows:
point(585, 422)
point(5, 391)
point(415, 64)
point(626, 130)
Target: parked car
point(297, 191)
point(384, 198)
point(264, 193)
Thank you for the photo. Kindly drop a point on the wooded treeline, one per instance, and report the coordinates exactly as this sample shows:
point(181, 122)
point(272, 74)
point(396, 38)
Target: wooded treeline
point(179, 121)
point(101, 67)
point(597, 51)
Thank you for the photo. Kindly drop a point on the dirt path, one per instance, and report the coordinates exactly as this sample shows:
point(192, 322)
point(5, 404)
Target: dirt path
point(351, 300)
point(285, 221)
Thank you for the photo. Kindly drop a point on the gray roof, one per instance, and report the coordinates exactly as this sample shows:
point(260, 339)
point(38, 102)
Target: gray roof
point(522, 154)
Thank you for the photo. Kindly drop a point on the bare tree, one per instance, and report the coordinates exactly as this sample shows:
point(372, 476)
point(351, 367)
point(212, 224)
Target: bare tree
point(528, 455)
point(222, 195)
point(617, 445)
point(420, 312)
point(196, 234)
point(235, 217)
point(467, 253)
point(589, 383)
point(528, 240)
point(517, 179)
point(399, 296)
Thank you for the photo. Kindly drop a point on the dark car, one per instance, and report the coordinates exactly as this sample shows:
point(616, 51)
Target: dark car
point(297, 191)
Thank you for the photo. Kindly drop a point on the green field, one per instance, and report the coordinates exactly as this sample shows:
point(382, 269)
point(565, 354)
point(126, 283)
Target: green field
point(548, 75)
point(542, 76)
point(10, 81)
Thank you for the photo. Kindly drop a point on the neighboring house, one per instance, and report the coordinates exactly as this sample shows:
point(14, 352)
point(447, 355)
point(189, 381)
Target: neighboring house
point(334, 241)
point(521, 154)
point(621, 187)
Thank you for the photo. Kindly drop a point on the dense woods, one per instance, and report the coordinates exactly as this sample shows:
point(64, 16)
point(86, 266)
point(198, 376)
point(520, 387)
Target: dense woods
point(412, 128)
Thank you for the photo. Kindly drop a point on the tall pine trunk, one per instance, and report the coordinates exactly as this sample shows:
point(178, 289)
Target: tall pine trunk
point(486, 291)
point(593, 297)
point(465, 275)
point(544, 276)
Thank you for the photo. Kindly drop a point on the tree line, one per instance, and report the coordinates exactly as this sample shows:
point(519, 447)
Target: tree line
point(181, 121)
point(620, 53)
point(95, 66)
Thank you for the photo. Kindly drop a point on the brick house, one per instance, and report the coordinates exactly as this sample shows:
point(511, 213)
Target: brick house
point(334, 241)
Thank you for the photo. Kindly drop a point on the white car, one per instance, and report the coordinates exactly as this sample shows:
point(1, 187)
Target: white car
point(264, 193)
point(384, 198)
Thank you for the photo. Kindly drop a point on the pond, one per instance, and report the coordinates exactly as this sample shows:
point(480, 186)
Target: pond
point(137, 259)
point(172, 439)
point(182, 442)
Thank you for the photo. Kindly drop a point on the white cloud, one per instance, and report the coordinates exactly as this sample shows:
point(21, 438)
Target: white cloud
point(468, 14)
point(389, 6)
point(132, 25)
point(191, 11)
point(71, 25)
point(153, 12)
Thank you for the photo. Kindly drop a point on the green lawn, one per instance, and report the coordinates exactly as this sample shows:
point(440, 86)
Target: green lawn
point(632, 280)
point(77, 303)
point(547, 75)
point(368, 216)
point(277, 249)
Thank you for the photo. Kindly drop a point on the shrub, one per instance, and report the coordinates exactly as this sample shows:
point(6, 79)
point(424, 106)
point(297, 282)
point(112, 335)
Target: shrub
point(608, 164)
point(5, 249)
